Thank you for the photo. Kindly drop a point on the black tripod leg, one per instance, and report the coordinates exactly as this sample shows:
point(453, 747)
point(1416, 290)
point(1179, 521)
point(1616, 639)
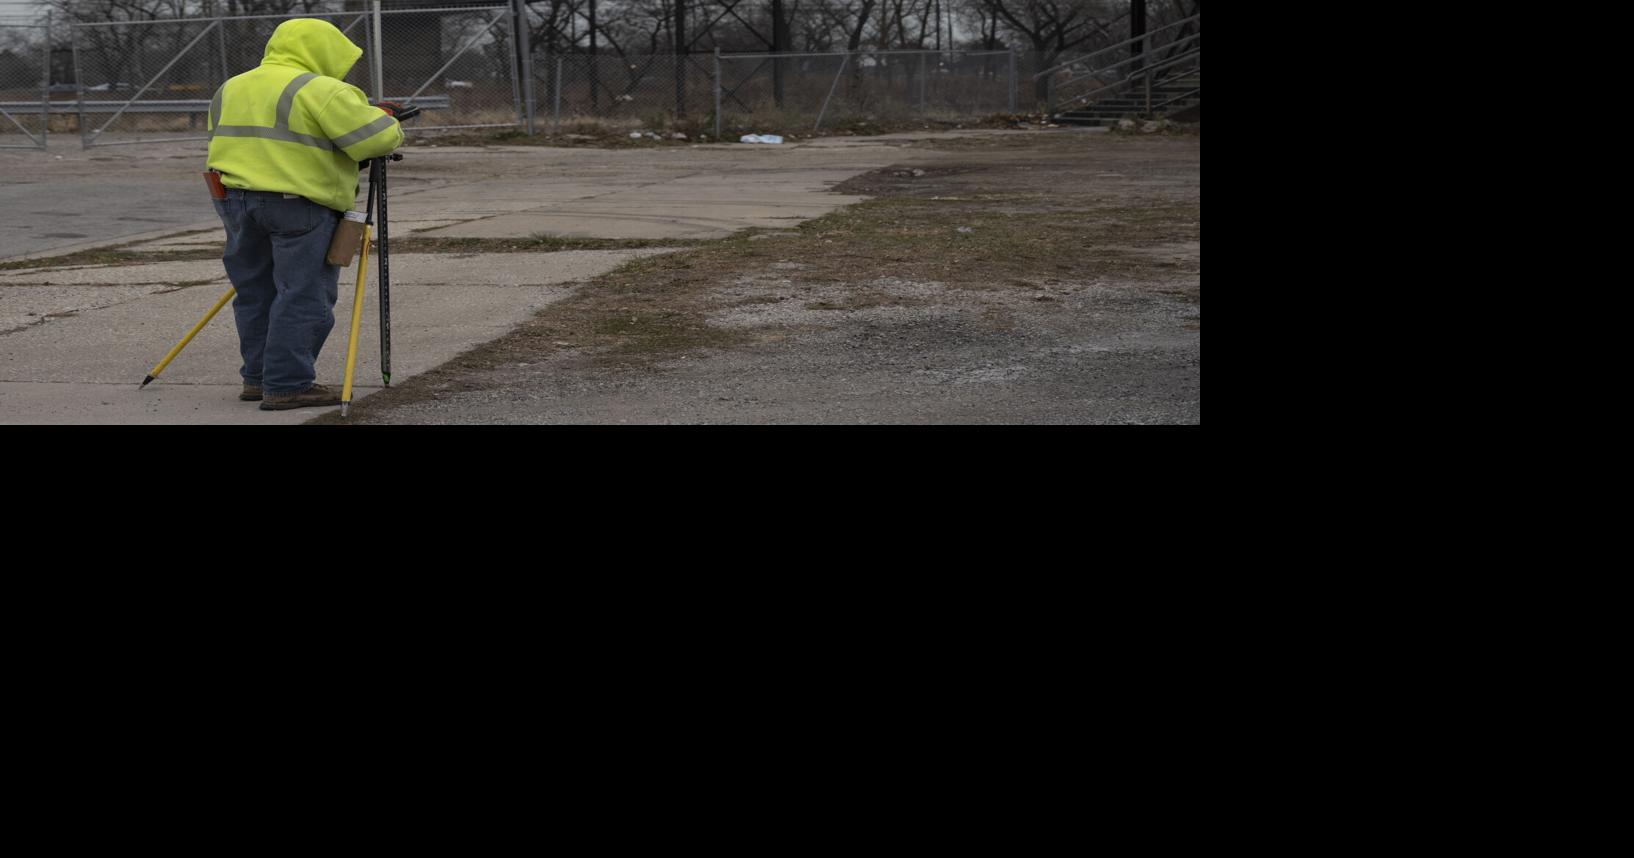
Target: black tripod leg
point(374, 185)
point(384, 255)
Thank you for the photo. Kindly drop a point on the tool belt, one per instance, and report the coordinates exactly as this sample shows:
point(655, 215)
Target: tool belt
point(218, 191)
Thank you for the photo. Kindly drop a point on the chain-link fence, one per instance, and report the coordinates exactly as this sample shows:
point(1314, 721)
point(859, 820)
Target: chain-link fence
point(152, 81)
point(785, 90)
point(460, 64)
point(877, 86)
point(25, 86)
point(652, 88)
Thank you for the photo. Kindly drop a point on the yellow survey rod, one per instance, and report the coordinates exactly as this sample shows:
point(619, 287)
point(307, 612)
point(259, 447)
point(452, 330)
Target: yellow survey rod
point(189, 338)
point(357, 317)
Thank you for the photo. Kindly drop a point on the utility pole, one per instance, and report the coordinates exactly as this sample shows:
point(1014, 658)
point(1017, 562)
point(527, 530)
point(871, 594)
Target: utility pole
point(1137, 28)
point(680, 58)
point(778, 46)
point(594, 90)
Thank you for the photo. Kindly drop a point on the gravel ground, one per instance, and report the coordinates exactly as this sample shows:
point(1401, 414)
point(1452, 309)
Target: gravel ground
point(1039, 278)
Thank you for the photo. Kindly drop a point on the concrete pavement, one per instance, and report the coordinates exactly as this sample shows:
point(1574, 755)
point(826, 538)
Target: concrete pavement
point(76, 341)
point(86, 367)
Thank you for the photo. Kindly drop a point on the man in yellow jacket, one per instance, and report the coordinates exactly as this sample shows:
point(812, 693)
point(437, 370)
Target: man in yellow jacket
point(287, 138)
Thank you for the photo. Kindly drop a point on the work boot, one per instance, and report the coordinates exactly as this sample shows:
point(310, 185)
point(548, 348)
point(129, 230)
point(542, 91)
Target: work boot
point(316, 395)
point(250, 393)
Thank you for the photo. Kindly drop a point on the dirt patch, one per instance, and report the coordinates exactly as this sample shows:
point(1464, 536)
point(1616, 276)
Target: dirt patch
point(1048, 278)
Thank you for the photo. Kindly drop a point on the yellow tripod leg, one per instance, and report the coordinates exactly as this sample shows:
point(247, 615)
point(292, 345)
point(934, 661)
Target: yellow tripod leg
point(189, 338)
point(357, 317)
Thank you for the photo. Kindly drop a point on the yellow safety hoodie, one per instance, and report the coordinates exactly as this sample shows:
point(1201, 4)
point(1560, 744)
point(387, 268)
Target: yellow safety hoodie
point(291, 125)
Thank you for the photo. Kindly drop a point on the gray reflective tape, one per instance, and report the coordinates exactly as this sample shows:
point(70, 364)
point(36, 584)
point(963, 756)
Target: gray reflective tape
point(365, 132)
point(264, 133)
point(287, 100)
point(215, 110)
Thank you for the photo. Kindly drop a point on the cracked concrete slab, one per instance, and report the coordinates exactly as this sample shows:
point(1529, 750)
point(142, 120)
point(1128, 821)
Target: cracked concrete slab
point(37, 305)
point(86, 367)
point(165, 273)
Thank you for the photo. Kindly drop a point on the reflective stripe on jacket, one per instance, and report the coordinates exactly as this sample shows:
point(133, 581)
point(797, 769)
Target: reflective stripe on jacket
point(291, 125)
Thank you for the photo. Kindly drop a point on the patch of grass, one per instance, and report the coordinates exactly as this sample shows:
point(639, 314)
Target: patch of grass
point(109, 256)
point(118, 254)
point(794, 125)
point(661, 334)
point(1169, 128)
point(538, 243)
point(583, 134)
point(865, 299)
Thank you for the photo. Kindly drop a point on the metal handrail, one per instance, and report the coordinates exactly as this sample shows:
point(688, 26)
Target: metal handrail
point(1131, 79)
point(1123, 44)
point(1176, 61)
point(1097, 72)
point(861, 52)
point(1179, 98)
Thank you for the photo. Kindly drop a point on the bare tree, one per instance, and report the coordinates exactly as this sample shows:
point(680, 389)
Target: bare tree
point(845, 18)
point(1053, 28)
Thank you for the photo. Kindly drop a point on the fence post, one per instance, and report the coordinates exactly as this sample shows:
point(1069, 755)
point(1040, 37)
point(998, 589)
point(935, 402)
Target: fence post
point(1012, 80)
point(921, 83)
point(45, 88)
point(717, 92)
point(379, 64)
point(516, 66)
point(525, 34)
point(79, 83)
point(556, 111)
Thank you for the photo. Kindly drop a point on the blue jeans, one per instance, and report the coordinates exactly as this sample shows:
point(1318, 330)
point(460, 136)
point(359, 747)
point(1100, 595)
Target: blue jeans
point(286, 291)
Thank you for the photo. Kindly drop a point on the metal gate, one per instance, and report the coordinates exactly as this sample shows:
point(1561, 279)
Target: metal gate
point(151, 81)
point(192, 57)
point(459, 64)
point(25, 85)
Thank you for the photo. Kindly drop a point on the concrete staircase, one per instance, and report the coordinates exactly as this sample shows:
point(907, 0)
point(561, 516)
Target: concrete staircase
point(1174, 96)
point(1153, 75)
